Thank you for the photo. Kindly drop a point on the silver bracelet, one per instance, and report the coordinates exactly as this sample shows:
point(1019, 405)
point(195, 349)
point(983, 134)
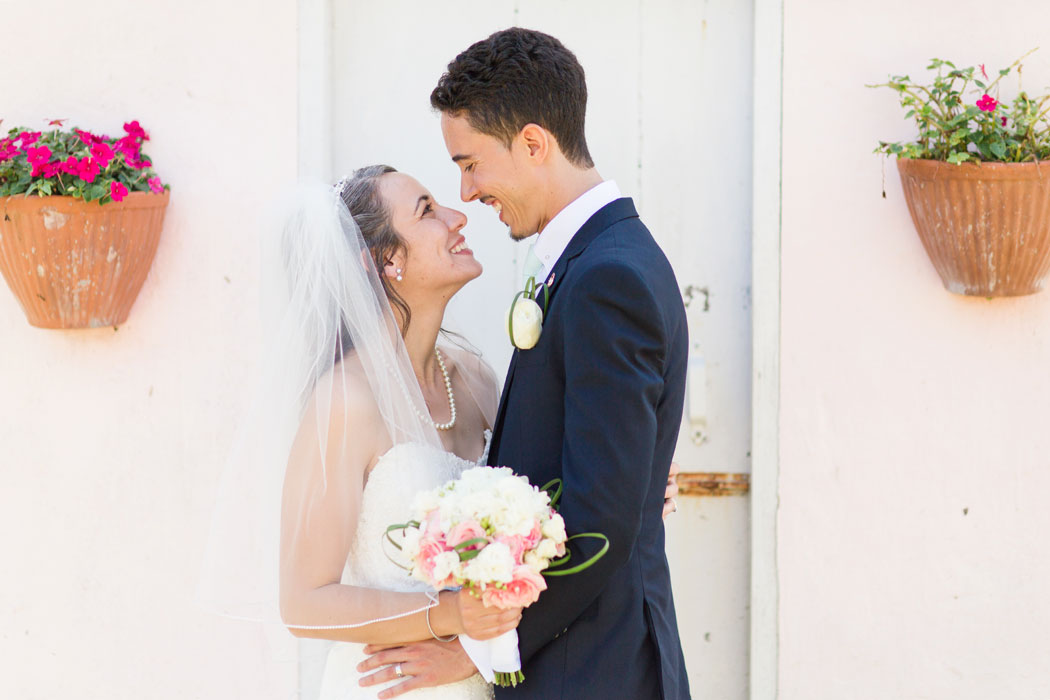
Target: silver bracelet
point(440, 639)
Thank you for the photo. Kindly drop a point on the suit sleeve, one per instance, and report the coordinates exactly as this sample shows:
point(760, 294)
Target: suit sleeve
point(614, 350)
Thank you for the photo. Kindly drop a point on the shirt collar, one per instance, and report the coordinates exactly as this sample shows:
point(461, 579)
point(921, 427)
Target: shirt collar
point(556, 235)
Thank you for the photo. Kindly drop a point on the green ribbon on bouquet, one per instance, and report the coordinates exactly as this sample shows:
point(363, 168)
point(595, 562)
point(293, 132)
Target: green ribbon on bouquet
point(585, 565)
point(554, 489)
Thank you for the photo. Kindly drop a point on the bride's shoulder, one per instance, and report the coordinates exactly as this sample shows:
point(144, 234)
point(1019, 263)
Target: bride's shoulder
point(470, 364)
point(345, 395)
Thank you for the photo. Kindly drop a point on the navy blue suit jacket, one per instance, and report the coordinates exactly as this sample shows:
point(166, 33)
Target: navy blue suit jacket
point(598, 403)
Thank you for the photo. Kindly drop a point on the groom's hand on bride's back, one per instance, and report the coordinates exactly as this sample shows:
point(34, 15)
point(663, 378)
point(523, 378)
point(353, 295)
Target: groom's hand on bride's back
point(423, 665)
point(670, 504)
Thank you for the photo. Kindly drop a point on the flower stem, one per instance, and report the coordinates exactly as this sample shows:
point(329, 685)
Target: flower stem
point(509, 680)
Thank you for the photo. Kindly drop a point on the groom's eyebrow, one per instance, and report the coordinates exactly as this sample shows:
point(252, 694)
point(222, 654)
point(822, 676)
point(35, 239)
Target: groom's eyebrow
point(459, 157)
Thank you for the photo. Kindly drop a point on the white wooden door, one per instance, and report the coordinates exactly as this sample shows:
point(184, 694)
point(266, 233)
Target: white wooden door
point(669, 118)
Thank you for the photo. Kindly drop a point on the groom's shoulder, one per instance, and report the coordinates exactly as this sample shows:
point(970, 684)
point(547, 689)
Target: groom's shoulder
point(609, 270)
point(626, 243)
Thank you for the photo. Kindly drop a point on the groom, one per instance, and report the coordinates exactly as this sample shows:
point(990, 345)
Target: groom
point(598, 401)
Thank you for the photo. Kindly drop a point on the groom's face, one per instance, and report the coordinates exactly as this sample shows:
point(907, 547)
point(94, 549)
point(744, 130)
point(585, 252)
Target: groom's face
point(493, 174)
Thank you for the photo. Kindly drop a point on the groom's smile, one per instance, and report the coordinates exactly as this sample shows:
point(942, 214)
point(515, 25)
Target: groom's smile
point(495, 204)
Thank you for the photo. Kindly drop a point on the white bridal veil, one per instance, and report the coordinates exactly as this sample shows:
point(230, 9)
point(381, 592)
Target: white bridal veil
point(333, 352)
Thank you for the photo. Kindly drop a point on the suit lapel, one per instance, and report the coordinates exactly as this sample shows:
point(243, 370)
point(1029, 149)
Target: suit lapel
point(611, 213)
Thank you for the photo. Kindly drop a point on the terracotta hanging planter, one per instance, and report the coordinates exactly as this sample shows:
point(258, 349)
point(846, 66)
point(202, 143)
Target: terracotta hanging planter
point(986, 227)
point(77, 264)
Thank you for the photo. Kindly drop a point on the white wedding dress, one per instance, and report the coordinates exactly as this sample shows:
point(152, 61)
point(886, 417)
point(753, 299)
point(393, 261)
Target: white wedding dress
point(387, 498)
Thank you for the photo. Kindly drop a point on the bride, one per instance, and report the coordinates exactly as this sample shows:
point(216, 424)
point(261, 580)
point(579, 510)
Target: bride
point(362, 404)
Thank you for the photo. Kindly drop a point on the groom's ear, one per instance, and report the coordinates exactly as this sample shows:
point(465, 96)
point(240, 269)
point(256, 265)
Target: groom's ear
point(538, 142)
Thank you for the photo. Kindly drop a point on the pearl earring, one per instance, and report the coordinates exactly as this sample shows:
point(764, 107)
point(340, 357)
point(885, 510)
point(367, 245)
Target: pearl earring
point(399, 277)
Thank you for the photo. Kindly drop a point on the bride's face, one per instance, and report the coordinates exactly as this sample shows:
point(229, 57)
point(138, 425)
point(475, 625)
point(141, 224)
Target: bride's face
point(436, 259)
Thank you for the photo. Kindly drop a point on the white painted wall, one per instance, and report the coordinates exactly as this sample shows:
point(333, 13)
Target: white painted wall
point(913, 439)
point(111, 442)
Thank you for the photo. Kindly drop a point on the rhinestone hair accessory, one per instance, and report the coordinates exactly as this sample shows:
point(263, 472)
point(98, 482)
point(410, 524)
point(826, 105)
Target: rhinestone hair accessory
point(341, 183)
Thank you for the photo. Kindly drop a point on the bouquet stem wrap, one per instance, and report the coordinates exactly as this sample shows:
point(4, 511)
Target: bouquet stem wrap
point(497, 659)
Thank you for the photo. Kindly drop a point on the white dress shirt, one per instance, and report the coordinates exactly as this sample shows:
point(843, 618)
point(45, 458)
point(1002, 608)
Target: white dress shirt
point(556, 235)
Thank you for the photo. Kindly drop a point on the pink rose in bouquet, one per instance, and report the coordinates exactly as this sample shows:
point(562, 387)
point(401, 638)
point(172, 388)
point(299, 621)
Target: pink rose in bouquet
point(522, 591)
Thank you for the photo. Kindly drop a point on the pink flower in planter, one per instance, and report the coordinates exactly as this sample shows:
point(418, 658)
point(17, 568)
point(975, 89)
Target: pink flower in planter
point(131, 148)
point(35, 154)
point(70, 166)
point(8, 149)
point(38, 157)
point(89, 170)
point(128, 145)
point(1004, 121)
point(56, 122)
point(102, 153)
point(87, 137)
point(983, 73)
point(134, 129)
point(155, 185)
point(117, 191)
point(28, 138)
point(987, 103)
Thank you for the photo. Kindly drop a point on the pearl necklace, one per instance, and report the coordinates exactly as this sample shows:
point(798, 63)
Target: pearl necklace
point(451, 398)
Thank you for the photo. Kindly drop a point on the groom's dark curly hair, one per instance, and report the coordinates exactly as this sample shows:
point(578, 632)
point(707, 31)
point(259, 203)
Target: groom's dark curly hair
point(517, 77)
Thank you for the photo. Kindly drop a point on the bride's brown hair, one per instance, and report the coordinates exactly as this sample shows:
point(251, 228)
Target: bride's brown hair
point(360, 194)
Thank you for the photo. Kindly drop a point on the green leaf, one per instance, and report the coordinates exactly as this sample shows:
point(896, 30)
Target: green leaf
point(999, 149)
point(94, 192)
point(470, 543)
point(957, 157)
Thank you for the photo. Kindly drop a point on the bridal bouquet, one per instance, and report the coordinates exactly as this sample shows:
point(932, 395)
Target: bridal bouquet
point(493, 532)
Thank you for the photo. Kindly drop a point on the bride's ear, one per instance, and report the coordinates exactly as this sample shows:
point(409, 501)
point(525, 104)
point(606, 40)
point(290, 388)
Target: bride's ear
point(394, 269)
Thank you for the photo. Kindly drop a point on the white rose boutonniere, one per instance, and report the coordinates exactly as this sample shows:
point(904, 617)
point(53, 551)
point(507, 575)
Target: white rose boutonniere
point(525, 317)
